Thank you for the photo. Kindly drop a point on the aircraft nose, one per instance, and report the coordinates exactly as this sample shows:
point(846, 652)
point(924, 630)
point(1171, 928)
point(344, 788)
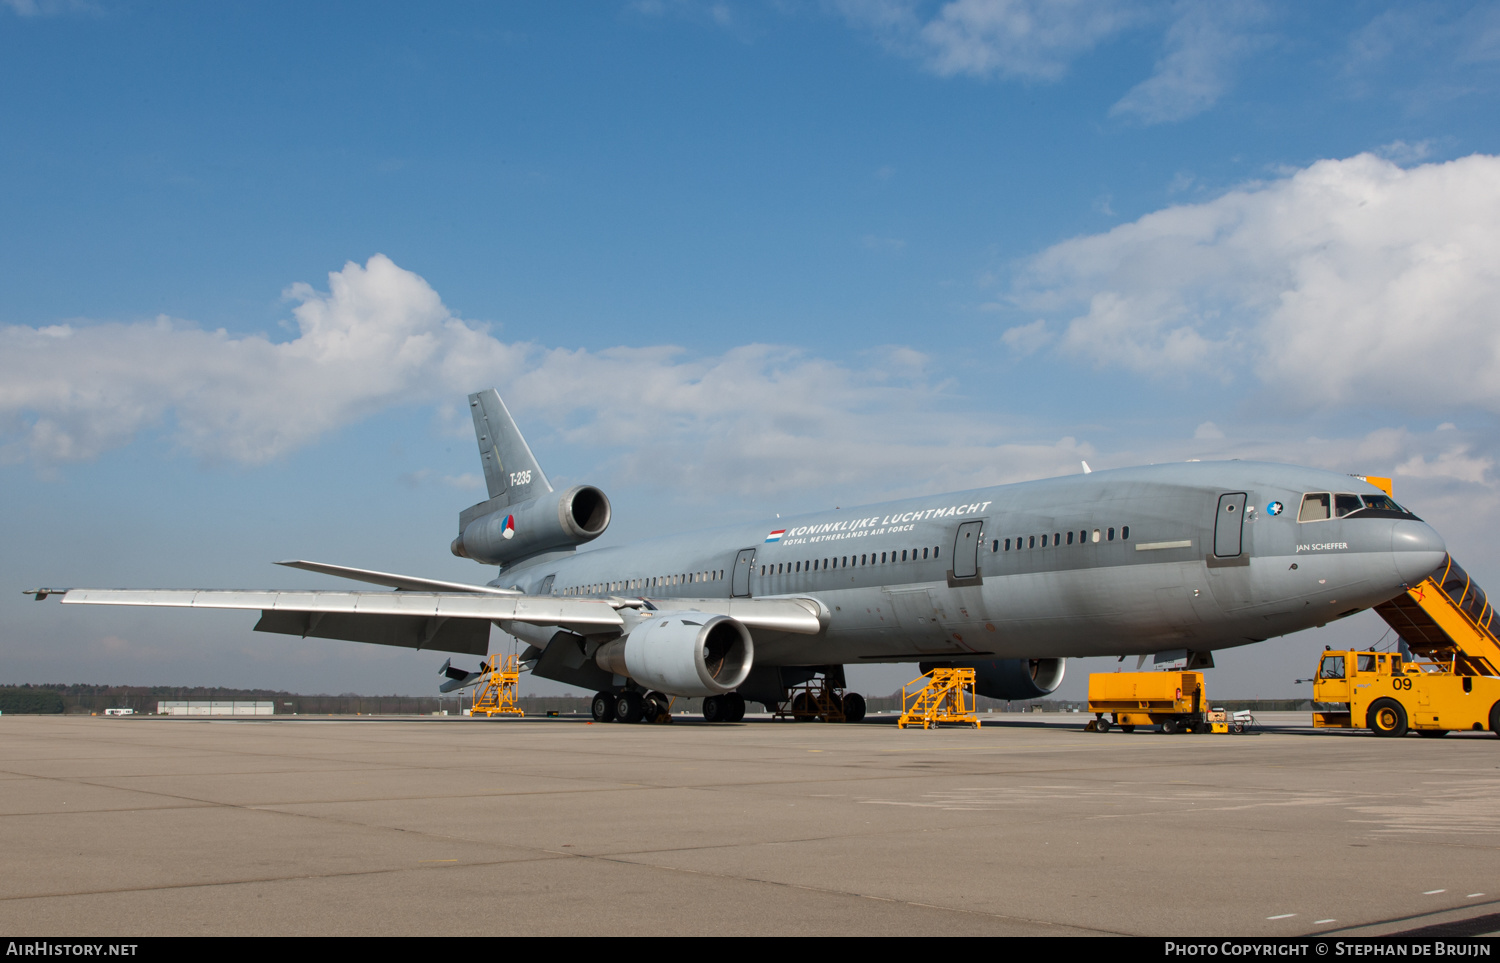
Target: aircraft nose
point(1417, 549)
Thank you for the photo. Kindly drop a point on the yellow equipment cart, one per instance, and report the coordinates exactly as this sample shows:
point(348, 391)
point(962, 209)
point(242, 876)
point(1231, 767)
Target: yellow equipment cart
point(1176, 701)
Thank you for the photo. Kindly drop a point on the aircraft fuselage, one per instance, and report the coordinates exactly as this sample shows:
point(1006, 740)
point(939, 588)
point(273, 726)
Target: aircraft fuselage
point(1196, 556)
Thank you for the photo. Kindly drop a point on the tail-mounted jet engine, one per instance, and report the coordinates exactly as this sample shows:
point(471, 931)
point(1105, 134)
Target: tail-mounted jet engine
point(682, 653)
point(1010, 678)
point(555, 520)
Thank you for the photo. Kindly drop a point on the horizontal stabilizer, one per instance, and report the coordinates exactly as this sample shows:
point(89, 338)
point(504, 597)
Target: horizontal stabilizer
point(406, 583)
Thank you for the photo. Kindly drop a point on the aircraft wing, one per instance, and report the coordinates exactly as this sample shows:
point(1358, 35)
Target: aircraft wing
point(444, 621)
point(448, 622)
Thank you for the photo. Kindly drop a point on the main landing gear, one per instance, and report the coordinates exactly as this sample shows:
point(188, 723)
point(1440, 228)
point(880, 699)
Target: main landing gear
point(631, 706)
point(729, 707)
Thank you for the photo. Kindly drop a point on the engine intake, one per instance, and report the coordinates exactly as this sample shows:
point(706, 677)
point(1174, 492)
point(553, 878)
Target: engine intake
point(682, 653)
point(549, 522)
point(1010, 678)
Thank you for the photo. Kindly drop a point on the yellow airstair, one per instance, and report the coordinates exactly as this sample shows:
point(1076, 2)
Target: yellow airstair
point(496, 694)
point(1447, 683)
point(942, 695)
point(1447, 619)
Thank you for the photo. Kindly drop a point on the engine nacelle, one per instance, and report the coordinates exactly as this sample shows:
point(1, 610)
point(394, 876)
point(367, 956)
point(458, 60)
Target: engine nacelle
point(549, 522)
point(682, 653)
point(1010, 678)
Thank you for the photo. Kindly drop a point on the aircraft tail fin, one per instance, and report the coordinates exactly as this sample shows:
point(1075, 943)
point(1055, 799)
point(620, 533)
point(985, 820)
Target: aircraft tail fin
point(510, 469)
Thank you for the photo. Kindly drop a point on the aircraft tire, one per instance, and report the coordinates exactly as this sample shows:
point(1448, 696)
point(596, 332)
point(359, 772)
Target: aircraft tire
point(804, 708)
point(1386, 718)
point(854, 707)
point(734, 706)
point(629, 707)
point(713, 709)
point(652, 707)
point(603, 708)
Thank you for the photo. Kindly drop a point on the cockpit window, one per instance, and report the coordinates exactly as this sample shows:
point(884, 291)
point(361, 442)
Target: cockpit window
point(1320, 506)
point(1344, 504)
point(1314, 507)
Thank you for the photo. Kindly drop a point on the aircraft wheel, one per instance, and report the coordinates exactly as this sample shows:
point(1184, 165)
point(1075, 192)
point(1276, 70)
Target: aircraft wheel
point(653, 707)
point(1386, 718)
point(734, 706)
point(854, 707)
point(629, 707)
point(804, 707)
point(603, 707)
point(1127, 728)
point(713, 709)
point(1432, 733)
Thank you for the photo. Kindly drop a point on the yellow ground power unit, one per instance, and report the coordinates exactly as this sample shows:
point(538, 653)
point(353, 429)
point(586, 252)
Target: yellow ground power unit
point(1176, 701)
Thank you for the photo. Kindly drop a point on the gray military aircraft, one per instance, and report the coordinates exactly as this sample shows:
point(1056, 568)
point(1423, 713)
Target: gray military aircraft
point(1179, 559)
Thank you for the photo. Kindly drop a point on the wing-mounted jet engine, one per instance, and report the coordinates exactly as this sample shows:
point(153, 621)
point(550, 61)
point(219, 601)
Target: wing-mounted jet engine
point(523, 517)
point(1010, 679)
point(683, 653)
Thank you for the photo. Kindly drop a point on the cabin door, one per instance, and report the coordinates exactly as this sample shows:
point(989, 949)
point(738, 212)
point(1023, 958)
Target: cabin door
point(743, 563)
point(1229, 525)
point(966, 550)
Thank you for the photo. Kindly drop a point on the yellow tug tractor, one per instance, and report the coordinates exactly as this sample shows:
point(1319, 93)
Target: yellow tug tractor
point(1449, 680)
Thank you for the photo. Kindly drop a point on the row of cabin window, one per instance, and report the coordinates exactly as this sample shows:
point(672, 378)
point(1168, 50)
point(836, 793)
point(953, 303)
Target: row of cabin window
point(659, 581)
point(1031, 541)
point(844, 561)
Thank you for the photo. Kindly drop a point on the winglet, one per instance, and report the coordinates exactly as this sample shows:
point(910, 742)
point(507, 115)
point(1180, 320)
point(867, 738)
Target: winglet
point(1086, 469)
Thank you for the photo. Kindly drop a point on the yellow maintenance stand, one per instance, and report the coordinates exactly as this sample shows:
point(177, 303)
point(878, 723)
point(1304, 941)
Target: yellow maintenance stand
point(496, 693)
point(942, 695)
point(1449, 683)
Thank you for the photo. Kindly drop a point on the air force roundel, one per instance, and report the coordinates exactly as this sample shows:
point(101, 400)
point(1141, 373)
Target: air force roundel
point(1275, 508)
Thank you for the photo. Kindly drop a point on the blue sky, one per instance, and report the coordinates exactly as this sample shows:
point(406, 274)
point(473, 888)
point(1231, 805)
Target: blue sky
point(722, 259)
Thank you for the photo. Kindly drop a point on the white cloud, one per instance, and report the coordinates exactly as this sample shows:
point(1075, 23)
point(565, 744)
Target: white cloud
point(1025, 39)
point(1203, 45)
point(1400, 152)
point(379, 336)
point(1350, 282)
point(1026, 339)
point(755, 418)
point(1038, 40)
